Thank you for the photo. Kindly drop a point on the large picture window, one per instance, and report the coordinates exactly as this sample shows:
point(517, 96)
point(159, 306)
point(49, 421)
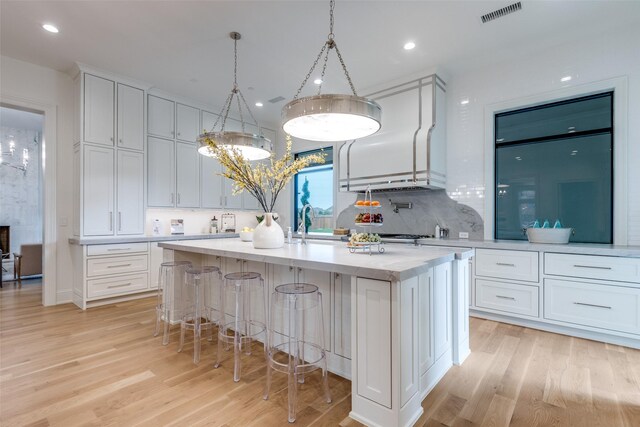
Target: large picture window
point(314, 185)
point(555, 161)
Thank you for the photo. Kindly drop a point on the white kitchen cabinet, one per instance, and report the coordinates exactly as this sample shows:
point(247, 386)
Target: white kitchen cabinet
point(230, 200)
point(98, 191)
point(130, 192)
point(161, 120)
point(187, 123)
point(507, 297)
point(210, 183)
point(98, 111)
point(442, 318)
point(187, 176)
point(160, 172)
point(322, 279)
point(342, 315)
point(208, 120)
point(130, 117)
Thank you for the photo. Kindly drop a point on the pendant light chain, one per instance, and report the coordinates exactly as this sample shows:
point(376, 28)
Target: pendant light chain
point(330, 44)
point(235, 92)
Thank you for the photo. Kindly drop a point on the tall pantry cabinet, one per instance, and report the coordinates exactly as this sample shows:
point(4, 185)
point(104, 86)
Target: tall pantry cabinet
point(109, 156)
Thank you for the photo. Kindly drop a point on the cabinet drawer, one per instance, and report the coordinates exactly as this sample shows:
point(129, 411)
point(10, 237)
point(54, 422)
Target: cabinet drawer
point(97, 288)
point(509, 297)
point(593, 267)
point(117, 249)
point(117, 265)
point(514, 265)
point(612, 307)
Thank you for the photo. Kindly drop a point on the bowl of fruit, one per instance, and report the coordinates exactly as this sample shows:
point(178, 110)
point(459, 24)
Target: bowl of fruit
point(367, 204)
point(369, 219)
point(246, 234)
point(362, 239)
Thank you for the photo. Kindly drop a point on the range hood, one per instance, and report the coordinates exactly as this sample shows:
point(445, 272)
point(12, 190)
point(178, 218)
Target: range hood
point(409, 151)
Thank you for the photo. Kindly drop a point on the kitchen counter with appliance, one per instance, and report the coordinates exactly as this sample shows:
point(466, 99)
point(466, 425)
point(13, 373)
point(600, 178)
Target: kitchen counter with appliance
point(398, 320)
point(524, 245)
point(137, 239)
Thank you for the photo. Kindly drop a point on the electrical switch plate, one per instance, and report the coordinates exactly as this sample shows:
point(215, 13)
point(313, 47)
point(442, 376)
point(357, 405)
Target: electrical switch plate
point(463, 235)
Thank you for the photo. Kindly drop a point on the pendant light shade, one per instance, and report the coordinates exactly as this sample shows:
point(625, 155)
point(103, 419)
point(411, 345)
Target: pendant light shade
point(250, 145)
point(330, 117)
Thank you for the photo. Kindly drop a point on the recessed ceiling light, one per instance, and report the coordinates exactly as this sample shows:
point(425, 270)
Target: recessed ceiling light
point(409, 45)
point(50, 28)
point(464, 102)
point(259, 104)
point(565, 78)
point(318, 81)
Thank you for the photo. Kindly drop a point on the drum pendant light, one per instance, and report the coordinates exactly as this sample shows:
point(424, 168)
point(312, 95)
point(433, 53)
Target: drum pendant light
point(330, 117)
point(251, 146)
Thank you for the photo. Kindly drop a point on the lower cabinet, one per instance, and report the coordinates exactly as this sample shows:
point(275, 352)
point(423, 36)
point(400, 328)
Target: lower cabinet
point(508, 297)
point(609, 306)
point(110, 272)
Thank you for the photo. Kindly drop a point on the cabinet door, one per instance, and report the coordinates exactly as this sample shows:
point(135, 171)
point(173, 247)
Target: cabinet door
point(160, 172)
point(161, 117)
point(130, 117)
point(187, 176)
point(98, 191)
point(188, 123)
point(442, 321)
point(342, 315)
point(250, 203)
point(210, 183)
point(98, 110)
point(130, 192)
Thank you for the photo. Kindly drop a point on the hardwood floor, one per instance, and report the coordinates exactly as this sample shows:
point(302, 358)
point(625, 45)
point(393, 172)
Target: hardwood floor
point(62, 366)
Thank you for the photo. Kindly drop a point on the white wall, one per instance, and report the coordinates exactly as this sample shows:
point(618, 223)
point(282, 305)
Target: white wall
point(600, 58)
point(33, 83)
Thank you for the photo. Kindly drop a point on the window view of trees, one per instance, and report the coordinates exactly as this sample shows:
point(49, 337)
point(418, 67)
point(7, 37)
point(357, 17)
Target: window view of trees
point(314, 186)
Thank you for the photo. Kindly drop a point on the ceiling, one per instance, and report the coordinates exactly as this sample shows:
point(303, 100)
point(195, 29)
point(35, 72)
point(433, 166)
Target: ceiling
point(183, 47)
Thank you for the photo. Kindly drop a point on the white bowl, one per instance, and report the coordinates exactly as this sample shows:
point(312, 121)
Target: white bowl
point(549, 235)
point(246, 236)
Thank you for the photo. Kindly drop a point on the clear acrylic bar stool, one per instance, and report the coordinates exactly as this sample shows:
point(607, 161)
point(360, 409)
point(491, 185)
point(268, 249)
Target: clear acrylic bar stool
point(170, 282)
point(198, 313)
point(243, 316)
point(296, 339)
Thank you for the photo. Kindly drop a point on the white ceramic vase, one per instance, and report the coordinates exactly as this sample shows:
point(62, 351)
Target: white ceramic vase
point(268, 234)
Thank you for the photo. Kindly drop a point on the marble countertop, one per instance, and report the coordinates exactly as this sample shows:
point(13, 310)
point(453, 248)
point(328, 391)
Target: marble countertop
point(398, 262)
point(523, 245)
point(137, 239)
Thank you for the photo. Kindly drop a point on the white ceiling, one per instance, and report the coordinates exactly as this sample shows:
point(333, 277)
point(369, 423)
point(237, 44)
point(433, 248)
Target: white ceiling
point(183, 46)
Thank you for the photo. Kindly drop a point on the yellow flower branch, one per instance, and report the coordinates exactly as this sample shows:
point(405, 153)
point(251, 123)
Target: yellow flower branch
point(263, 180)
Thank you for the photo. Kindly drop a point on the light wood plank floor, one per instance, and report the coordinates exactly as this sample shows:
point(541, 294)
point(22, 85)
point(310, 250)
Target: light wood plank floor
point(62, 366)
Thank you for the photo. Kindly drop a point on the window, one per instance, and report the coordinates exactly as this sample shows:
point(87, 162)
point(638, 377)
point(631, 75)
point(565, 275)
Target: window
point(314, 185)
point(555, 161)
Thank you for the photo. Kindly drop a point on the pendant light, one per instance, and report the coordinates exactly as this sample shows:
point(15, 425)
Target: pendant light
point(251, 146)
point(330, 117)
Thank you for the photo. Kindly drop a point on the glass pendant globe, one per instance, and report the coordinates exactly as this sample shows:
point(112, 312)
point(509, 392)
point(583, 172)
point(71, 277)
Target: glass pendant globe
point(251, 146)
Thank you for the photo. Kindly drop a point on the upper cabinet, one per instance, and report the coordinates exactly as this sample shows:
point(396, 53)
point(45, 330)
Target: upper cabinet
point(161, 120)
point(188, 123)
point(130, 117)
point(409, 151)
point(98, 111)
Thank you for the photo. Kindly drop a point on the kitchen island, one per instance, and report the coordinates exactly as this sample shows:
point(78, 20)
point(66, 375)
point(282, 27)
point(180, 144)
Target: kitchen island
point(395, 322)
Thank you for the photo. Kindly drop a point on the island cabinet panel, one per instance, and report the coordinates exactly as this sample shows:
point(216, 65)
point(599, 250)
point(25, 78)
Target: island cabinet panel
point(342, 315)
point(322, 279)
point(442, 320)
point(409, 369)
point(425, 297)
point(373, 337)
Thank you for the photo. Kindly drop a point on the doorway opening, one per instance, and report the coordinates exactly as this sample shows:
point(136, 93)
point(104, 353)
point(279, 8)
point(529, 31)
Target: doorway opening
point(21, 195)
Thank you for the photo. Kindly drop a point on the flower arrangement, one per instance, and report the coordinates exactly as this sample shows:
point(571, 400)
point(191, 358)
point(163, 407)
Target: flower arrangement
point(264, 180)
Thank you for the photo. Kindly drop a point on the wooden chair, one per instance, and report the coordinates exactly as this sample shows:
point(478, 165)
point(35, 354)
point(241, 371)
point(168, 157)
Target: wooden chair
point(28, 262)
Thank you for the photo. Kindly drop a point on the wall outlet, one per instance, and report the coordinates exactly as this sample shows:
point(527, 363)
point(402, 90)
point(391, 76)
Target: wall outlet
point(463, 235)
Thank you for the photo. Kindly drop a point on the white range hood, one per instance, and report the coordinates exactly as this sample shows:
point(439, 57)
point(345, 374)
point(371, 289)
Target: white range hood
point(409, 151)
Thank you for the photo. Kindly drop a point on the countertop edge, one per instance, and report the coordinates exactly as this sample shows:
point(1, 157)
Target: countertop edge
point(141, 239)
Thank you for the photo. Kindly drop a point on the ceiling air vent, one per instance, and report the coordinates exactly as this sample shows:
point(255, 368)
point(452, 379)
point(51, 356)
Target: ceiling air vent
point(501, 12)
point(276, 99)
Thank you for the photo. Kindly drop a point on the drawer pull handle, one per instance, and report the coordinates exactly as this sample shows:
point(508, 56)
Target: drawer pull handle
point(592, 266)
point(118, 249)
point(593, 305)
point(119, 265)
point(504, 297)
point(506, 264)
point(119, 286)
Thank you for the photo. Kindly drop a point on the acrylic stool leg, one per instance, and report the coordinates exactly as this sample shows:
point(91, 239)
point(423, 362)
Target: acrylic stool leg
point(167, 326)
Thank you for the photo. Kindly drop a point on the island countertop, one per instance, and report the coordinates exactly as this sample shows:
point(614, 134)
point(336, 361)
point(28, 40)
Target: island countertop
point(397, 263)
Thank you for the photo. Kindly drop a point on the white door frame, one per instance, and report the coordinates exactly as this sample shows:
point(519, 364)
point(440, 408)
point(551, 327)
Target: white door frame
point(48, 164)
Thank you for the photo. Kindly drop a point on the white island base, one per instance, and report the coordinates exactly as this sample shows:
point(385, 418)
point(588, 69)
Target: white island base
point(403, 323)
